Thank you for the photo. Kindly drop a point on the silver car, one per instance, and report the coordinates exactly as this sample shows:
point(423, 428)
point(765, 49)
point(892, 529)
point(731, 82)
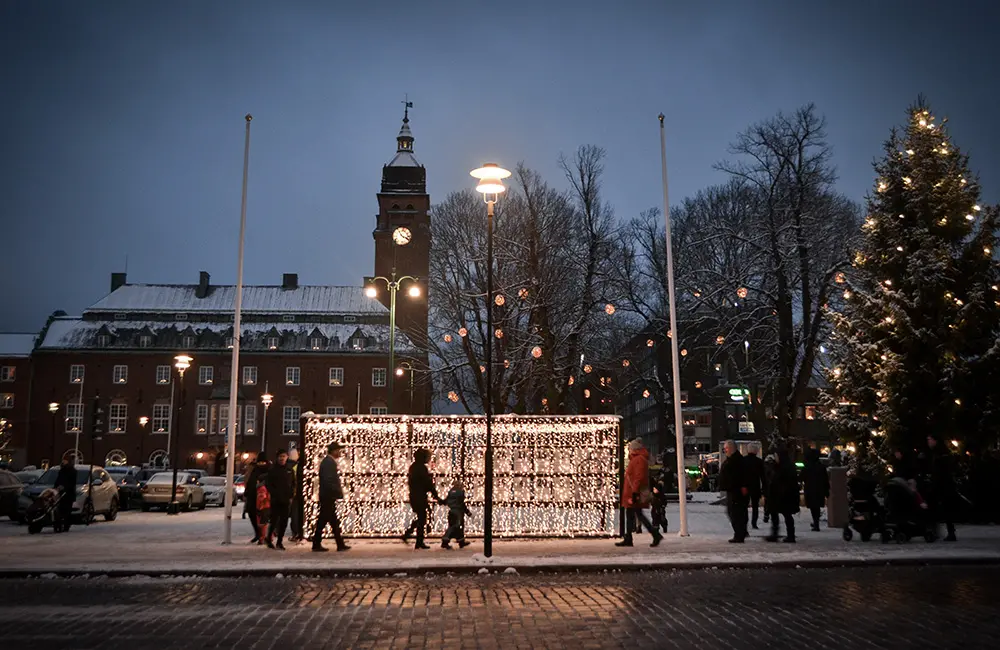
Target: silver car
point(215, 490)
point(101, 488)
point(156, 492)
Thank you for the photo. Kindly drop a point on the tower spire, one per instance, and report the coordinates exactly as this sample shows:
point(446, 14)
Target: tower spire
point(407, 105)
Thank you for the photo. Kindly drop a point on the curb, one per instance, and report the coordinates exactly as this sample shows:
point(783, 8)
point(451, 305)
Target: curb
point(498, 569)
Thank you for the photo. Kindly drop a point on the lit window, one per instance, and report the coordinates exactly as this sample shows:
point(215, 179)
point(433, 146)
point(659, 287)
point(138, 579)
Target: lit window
point(206, 375)
point(229, 342)
point(336, 376)
point(250, 415)
point(161, 418)
point(249, 375)
point(162, 374)
point(378, 376)
point(118, 418)
point(74, 417)
point(6, 400)
point(7, 374)
point(273, 342)
point(201, 423)
point(120, 375)
point(292, 376)
point(76, 374)
point(290, 420)
point(316, 343)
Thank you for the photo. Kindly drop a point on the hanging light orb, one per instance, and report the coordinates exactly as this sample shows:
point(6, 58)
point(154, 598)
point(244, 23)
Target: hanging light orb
point(847, 295)
point(720, 339)
point(742, 292)
point(499, 300)
point(545, 401)
point(645, 393)
point(609, 309)
point(586, 392)
point(522, 294)
point(836, 372)
point(498, 333)
point(506, 363)
point(697, 384)
point(536, 351)
point(447, 338)
point(649, 343)
point(684, 352)
point(462, 332)
point(625, 363)
point(453, 396)
point(588, 368)
point(571, 380)
point(482, 368)
point(840, 278)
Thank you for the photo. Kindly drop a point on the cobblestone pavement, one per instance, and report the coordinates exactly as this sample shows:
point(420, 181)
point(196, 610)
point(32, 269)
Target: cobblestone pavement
point(891, 607)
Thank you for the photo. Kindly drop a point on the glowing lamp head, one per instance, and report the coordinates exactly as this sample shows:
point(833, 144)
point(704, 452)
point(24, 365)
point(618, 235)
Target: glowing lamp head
point(53, 407)
point(490, 177)
point(266, 399)
point(399, 372)
point(414, 291)
point(200, 455)
point(182, 362)
point(246, 455)
point(371, 291)
point(143, 421)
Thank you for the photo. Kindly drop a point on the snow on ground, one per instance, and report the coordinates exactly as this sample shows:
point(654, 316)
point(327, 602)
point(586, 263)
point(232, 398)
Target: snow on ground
point(155, 543)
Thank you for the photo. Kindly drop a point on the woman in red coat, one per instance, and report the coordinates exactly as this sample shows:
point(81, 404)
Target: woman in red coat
point(636, 494)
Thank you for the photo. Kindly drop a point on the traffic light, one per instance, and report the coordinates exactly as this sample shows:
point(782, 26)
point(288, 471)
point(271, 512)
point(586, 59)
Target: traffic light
point(98, 419)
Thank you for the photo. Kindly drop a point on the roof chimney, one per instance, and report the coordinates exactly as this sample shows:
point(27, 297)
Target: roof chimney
point(290, 281)
point(203, 284)
point(118, 280)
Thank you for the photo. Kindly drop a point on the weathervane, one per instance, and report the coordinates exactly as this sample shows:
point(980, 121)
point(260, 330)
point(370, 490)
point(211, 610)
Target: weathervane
point(407, 105)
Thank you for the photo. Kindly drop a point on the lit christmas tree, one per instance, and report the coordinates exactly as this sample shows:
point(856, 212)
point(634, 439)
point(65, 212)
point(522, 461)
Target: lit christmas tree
point(916, 335)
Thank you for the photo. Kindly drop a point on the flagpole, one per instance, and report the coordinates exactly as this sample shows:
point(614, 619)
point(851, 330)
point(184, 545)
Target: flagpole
point(234, 378)
point(673, 335)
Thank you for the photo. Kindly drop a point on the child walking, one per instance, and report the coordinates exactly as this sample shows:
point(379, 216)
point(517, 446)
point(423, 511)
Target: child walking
point(456, 516)
point(263, 513)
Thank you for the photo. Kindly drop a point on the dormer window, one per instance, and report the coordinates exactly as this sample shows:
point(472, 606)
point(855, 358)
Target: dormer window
point(103, 340)
point(229, 342)
point(316, 343)
point(273, 342)
point(358, 343)
point(145, 341)
point(187, 342)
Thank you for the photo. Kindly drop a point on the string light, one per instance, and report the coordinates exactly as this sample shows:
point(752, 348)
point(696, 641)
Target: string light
point(902, 216)
point(840, 278)
point(742, 292)
point(588, 368)
point(482, 368)
point(899, 248)
point(870, 222)
point(453, 396)
point(987, 250)
point(976, 208)
point(506, 363)
point(697, 384)
point(499, 300)
point(910, 152)
point(571, 380)
point(847, 295)
point(649, 343)
point(463, 332)
point(609, 309)
point(536, 351)
point(962, 180)
point(554, 476)
point(498, 333)
point(882, 186)
point(720, 339)
point(943, 221)
point(969, 217)
point(447, 338)
point(907, 180)
point(958, 402)
point(888, 319)
point(684, 352)
point(645, 393)
point(625, 363)
point(836, 372)
point(522, 293)
point(888, 283)
point(586, 392)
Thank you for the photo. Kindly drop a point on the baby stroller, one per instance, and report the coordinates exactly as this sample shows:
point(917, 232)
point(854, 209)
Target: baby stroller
point(865, 515)
point(44, 511)
point(906, 513)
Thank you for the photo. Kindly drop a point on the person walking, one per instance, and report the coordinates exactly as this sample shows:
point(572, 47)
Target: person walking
point(733, 481)
point(815, 484)
point(783, 496)
point(636, 494)
point(755, 479)
point(420, 483)
point(943, 497)
point(281, 487)
point(66, 479)
point(457, 510)
point(330, 491)
point(257, 476)
point(262, 512)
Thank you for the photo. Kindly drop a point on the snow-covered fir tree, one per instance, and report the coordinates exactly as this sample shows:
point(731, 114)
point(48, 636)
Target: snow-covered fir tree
point(916, 336)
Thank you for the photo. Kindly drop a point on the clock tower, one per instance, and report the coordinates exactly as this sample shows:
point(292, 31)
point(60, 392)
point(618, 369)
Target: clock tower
point(403, 232)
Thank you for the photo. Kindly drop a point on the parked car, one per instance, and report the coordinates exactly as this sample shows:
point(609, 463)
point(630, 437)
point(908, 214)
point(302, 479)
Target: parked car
point(215, 490)
point(147, 473)
point(240, 481)
point(10, 492)
point(127, 478)
point(200, 473)
point(29, 476)
point(156, 492)
point(101, 487)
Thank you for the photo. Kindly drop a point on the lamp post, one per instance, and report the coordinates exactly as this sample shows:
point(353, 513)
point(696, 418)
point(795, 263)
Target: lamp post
point(266, 400)
point(406, 366)
point(143, 421)
point(182, 362)
point(401, 237)
point(490, 185)
point(53, 409)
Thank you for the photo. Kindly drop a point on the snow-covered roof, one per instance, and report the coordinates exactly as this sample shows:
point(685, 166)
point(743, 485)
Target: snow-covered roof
point(182, 298)
point(76, 333)
point(16, 344)
point(403, 159)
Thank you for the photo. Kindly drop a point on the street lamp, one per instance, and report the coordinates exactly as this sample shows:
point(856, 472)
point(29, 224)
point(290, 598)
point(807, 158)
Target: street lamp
point(400, 237)
point(266, 400)
point(53, 409)
point(490, 185)
point(143, 421)
point(182, 362)
point(406, 366)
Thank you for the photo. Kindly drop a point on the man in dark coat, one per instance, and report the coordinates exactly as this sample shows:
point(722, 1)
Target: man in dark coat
point(943, 497)
point(257, 474)
point(66, 479)
point(783, 496)
point(420, 483)
point(330, 491)
point(816, 485)
point(755, 478)
point(733, 481)
point(281, 487)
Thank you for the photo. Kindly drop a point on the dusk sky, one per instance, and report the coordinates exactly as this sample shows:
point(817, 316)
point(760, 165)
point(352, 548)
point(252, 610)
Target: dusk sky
point(122, 129)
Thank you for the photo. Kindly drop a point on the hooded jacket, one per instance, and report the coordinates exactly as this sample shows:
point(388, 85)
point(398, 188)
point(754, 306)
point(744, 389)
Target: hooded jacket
point(636, 479)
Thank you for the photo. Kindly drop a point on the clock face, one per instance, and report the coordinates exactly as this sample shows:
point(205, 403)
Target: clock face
point(402, 236)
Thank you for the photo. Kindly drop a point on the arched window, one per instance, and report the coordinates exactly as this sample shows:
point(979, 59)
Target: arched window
point(115, 458)
point(159, 459)
point(70, 453)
